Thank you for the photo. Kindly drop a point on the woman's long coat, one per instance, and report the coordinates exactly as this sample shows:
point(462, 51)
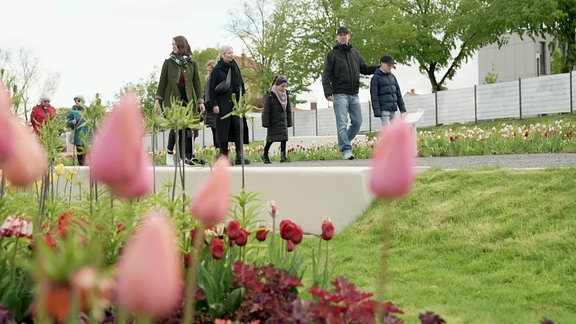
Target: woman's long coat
point(227, 129)
point(168, 84)
point(275, 118)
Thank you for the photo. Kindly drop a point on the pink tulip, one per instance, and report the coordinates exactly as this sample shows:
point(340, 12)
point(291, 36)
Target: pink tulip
point(393, 161)
point(212, 199)
point(116, 155)
point(140, 185)
point(7, 143)
point(26, 163)
point(149, 274)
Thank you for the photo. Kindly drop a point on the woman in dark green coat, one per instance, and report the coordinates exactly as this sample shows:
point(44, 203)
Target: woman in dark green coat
point(180, 81)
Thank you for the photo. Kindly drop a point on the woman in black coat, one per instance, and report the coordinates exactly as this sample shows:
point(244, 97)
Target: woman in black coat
point(277, 117)
point(228, 129)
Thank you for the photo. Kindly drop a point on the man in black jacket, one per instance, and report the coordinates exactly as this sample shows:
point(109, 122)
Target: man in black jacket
point(341, 82)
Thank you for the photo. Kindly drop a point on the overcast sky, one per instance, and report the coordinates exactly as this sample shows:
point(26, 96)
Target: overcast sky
point(99, 45)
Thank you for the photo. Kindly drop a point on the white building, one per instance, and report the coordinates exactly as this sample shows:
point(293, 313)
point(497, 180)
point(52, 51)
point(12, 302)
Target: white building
point(518, 58)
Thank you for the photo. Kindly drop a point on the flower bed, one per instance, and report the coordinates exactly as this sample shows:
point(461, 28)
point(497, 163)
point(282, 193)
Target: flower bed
point(121, 253)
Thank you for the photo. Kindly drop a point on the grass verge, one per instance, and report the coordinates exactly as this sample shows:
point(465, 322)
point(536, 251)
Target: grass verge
point(474, 246)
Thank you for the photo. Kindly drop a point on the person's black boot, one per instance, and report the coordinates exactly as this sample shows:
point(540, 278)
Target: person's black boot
point(284, 158)
point(239, 160)
point(265, 158)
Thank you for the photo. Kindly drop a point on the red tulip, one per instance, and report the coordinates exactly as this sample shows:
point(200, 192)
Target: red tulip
point(262, 233)
point(117, 157)
point(290, 246)
point(193, 233)
point(212, 200)
point(297, 237)
point(188, 260)
point(149, 274)
point(393, 161)
point(288, 229)
point(327, 230)
point(233, 229)
point(243, 238)
point(217, 248)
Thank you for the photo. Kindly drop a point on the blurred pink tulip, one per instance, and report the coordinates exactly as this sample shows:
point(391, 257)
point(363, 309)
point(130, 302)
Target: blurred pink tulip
point(28, 162)
point(393, 161)
point(212, 199)
point(25, 163)
point(149, 273)
point(22, 157)
point(7, 143)
point(116, 155)
point(140, 185)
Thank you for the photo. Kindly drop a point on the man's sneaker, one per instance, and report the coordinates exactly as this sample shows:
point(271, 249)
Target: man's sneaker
point(348, 155)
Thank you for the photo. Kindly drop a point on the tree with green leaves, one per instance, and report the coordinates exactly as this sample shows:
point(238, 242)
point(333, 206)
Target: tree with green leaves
point(286, 38)
point(145, 90)
point(545, 18)
point(202, 57)
point(262, 43)
point(439, 36)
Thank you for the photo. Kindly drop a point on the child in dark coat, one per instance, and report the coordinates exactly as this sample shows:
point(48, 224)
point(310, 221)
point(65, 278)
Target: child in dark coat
point(385, 92)
point(277, 117)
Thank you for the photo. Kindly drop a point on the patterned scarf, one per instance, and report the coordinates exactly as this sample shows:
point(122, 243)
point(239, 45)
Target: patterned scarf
point(282, 96)
point(181, 60)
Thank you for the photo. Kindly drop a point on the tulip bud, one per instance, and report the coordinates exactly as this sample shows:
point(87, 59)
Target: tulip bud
point(243, 238)
point(233, 229)
point(217, 248)
point(327, 230)
point(262, 233)
point(212, 200)
point(149, 274)
point(393, 161)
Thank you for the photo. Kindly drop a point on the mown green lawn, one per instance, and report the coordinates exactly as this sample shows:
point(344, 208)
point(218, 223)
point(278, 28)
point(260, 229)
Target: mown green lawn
point(474, 246)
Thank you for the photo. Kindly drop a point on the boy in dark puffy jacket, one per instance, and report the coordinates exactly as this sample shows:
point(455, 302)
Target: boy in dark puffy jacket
point(385, 92)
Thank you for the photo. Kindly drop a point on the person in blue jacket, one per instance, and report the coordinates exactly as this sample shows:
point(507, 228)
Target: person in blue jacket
point(80, 128)
point(385, 92)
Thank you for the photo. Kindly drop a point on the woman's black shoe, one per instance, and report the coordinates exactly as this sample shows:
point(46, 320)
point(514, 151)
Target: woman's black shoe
point(265, 159)
point(239, 161)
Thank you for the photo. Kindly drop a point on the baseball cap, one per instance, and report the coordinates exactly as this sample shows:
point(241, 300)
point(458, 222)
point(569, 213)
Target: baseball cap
point(342, 30)
point(387, 59)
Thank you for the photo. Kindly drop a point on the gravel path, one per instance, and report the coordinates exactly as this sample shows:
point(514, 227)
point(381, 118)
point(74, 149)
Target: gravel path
point(520, 161)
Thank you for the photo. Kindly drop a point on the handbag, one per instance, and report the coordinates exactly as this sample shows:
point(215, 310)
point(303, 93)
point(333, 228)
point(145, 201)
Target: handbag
point(224, 86)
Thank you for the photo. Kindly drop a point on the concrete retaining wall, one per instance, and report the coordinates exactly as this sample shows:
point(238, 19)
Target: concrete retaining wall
point(305, 195)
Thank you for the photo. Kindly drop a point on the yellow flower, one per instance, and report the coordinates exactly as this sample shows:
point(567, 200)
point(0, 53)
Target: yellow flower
point(60, 169)
point(38, 185)
point(69, 175)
